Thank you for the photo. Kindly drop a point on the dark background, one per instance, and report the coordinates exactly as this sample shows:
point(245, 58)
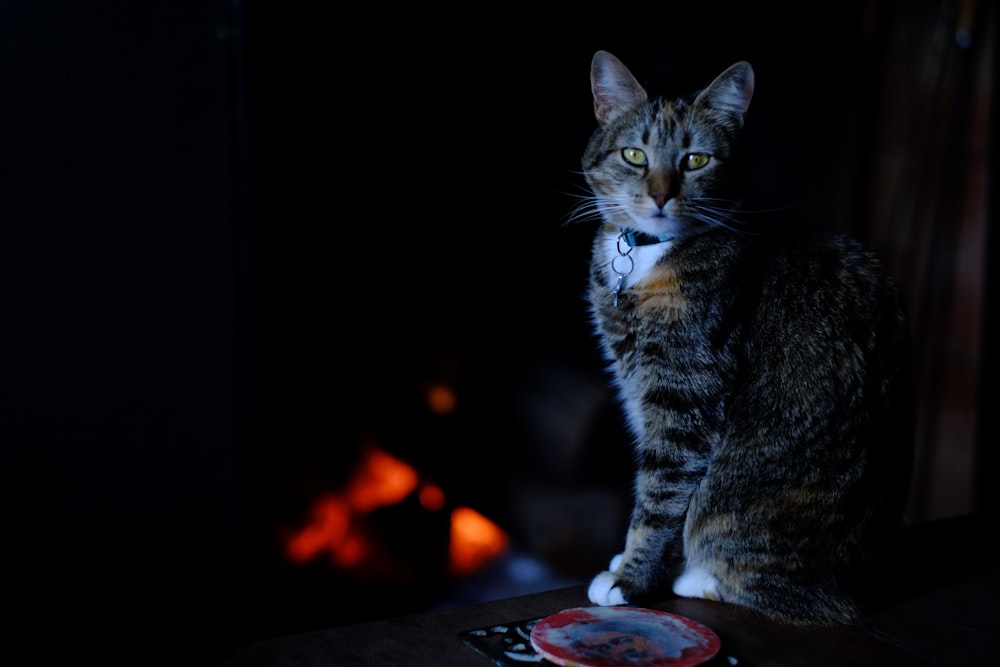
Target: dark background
point(236, 242)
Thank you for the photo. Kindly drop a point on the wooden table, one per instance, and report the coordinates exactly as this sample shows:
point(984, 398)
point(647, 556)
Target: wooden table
point(946, 611)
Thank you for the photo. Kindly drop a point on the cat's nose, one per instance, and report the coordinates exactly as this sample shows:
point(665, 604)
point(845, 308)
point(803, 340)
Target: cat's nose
point(660, 185)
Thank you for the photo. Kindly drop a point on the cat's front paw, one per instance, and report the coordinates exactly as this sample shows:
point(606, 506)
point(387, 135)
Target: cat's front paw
point(604, 590)
point(695, 582)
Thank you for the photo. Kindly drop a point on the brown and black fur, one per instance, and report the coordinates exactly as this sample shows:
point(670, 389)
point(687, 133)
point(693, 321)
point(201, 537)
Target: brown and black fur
point(764, 373)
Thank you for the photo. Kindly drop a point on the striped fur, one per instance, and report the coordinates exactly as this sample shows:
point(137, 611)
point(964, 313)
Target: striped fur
point(764, 373)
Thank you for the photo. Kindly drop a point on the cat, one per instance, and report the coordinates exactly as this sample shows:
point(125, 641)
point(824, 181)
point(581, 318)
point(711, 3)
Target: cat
point(764, 371)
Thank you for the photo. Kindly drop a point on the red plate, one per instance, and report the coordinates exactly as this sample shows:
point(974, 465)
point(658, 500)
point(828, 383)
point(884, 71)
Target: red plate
point(610, 636)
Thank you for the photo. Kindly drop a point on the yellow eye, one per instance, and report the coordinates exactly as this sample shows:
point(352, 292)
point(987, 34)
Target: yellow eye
point(694, 161)
point(635, 156)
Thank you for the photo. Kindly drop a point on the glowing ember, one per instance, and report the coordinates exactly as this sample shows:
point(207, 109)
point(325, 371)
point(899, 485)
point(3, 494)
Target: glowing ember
point(431, 497)
point(441, 399)
point(338, 519)
point(475, 541)
point(381, 480)
point(329, 529)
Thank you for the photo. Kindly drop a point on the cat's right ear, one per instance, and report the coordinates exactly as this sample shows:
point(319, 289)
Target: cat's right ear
point(731, 91)
point(615, 89)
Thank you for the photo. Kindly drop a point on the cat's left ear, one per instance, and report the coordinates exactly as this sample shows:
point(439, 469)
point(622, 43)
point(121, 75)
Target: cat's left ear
point(731, 91)
point(614, 88)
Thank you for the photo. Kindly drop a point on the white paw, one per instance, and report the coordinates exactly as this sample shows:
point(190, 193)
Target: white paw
point(695, 582)
point(616, 562)
point(604, 592)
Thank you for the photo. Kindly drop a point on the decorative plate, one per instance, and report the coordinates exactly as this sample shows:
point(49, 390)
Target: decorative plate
point(612, 636)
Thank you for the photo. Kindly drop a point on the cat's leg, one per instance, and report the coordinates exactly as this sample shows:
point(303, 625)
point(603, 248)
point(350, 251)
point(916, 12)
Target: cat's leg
point(635, 574)
point(675, 437)
point(697, 579)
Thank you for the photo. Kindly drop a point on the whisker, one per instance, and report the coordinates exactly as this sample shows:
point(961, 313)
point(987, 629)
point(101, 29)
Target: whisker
point(718, 212)
point(742, 209)
point(596, 207)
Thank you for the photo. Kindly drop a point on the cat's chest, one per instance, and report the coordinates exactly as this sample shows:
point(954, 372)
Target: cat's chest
point(643, 277)
point(629, 266)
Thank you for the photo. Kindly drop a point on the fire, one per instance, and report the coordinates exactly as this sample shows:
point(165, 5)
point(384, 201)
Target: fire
point(475, 540)
point(337, 525)
point(431, 497)
point(380, 480)
point(441, 399)
point(330, 526)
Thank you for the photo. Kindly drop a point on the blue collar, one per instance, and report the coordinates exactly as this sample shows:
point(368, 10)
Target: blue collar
point(635, 238)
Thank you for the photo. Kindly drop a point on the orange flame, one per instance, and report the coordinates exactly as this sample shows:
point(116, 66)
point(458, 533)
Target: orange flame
point(329, 529)
point(475, 541)
point(431, 497)
point(441, 399)
point(380, 479)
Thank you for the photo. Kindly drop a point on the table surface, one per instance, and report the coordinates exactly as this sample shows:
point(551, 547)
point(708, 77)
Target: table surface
point(946, 613)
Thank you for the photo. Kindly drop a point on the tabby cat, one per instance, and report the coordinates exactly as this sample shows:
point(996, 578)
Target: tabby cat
point(763, 371)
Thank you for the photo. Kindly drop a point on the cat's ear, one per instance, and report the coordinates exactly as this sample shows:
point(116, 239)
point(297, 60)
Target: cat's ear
point(731, 91)
point(614, 87)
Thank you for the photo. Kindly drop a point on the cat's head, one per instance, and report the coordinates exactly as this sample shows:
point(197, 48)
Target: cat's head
point(666, 167)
